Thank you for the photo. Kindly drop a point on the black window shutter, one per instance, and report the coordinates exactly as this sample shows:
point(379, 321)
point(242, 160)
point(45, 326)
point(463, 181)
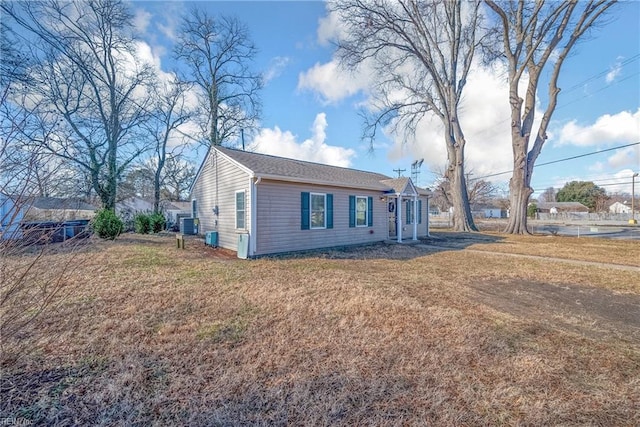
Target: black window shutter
point(329, 210)
point(305, 216)
point(419, 211)
point(352, 211)
point(370, 211)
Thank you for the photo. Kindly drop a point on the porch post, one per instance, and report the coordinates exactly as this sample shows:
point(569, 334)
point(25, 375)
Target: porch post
point(427, 218)
point(399, 218)
point(415, 217)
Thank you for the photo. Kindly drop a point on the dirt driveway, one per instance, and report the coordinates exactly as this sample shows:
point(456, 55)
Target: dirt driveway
point(588, 311)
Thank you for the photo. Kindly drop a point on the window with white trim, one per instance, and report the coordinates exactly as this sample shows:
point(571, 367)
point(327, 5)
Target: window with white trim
point(361, 211)
point(318, 210)
point(240, 210)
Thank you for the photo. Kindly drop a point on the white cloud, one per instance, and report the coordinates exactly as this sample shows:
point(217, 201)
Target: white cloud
point(329, 28)
point(331, 82)
point(629, 156)
point(276, 66)
point(484, 116)
point(314, 149)
point(141, 20)
point(615, 70)
point(619, 183)
point(623, 127)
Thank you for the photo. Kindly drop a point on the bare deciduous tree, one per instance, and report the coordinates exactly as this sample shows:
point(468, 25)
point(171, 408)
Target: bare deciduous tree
point(30, 287)
point(421, 53)
point(170, 112)
point(179, 175)
point(87, 87)
point(548, 196)
point(218, 52)
point(479, 192)
point(536, 35)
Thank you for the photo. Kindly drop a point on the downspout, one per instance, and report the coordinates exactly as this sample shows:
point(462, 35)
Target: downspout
point(254, 216)
point(415, 217)
point(399, 217)
point(427, 217)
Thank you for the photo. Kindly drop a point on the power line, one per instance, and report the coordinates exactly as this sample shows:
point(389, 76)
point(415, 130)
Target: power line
point(566, 159)
point(576, 86)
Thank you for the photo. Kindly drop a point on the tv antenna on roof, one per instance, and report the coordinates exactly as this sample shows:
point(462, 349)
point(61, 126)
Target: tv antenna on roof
point(415, 170)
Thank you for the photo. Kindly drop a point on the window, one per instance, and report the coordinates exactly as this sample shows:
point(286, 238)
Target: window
point(360, 211)
point(316, 211)
point(194, 208)
point(318, 202)
point(240, 210)
point(410, 206)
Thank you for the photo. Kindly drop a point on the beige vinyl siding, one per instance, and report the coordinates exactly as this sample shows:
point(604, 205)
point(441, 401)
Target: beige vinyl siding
point(279, 219)
point(231, 178)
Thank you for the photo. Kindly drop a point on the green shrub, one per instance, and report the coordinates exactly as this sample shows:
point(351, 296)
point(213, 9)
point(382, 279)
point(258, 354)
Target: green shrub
point(156, 222)
point(142, 223)
point(106, 224)
point(531, 210)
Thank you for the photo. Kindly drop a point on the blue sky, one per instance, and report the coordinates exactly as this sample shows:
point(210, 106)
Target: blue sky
point(310, 106)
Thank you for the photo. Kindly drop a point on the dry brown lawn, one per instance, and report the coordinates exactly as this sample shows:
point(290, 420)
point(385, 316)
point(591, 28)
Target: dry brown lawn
point(382, 335)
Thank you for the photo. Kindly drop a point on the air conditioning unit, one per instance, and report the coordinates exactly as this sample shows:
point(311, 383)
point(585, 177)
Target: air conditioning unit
point(211, 238)
point(189, 225)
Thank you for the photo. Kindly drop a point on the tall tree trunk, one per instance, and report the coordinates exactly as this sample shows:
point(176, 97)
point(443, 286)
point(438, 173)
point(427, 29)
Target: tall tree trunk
point(462, 218)
point(157, 178)
point(519, 193)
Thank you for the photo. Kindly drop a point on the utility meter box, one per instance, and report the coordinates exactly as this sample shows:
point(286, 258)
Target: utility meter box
point(243, 245)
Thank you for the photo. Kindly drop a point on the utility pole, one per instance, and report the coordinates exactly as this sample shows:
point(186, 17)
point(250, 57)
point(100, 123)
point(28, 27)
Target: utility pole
point(399, 171)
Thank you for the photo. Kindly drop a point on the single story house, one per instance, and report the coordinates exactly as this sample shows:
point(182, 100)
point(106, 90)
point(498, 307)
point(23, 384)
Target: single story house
point(562, 207)
point(488, 211)
point(132, 205)
point(173, 211)
point(620, 208)
point(58, 209)
point(19, 213)
point(11, 215)
point(274, 205)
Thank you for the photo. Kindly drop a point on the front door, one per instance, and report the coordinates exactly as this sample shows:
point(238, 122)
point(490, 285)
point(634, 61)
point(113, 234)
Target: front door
point(391, 208)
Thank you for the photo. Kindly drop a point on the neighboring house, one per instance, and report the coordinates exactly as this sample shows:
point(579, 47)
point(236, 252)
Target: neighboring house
point(173, 211)
point(57, 209)
point(618, 208)
point(20, 213)
point(562, 207)
point(11, 215)
point(489, 211)
point(283, 205)
point(133, 205)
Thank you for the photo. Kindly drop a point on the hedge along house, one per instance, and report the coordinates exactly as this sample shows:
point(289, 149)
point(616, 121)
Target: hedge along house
point(285, 205)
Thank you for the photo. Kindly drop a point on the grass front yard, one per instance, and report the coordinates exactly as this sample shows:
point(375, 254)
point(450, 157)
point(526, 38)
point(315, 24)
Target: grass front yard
point(384, 335)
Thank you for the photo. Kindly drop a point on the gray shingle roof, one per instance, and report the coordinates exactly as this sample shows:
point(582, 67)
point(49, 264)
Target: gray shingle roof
point(57, 203)
point(272, 166)
point(397, 184)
